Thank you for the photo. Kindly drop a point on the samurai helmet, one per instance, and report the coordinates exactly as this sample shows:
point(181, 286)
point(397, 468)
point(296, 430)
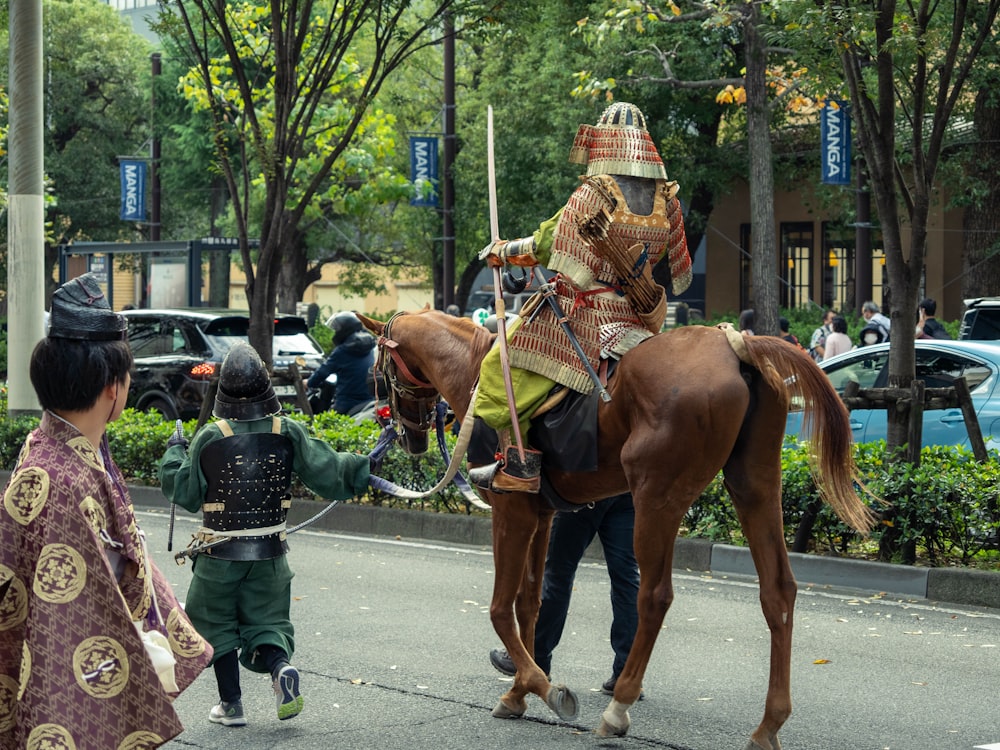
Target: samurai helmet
point(245, 391)
point(618, 144)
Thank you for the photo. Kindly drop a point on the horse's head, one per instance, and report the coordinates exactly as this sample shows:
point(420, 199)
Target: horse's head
point(412, 400)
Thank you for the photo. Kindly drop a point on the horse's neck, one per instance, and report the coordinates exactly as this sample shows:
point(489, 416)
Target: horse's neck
point(456, 365)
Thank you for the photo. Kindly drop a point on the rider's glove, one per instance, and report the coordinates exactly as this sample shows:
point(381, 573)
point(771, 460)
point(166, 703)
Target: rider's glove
point(519, 252)
point(494, 254)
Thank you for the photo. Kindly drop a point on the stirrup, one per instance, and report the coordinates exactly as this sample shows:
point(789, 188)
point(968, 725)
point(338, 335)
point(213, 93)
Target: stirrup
point(482, 476)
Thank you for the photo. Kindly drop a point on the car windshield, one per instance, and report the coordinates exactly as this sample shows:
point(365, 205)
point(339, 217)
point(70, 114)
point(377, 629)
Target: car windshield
point(291, 335)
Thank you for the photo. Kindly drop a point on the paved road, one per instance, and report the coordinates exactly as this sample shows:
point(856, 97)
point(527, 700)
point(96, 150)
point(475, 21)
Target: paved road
point(393, 638)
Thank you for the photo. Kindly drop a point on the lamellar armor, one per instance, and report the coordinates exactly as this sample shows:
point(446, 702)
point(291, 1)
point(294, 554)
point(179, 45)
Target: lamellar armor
point(249, 477)
point(609, 297)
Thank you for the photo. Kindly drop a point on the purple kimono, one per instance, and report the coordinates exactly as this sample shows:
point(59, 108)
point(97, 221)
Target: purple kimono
point(74, 575)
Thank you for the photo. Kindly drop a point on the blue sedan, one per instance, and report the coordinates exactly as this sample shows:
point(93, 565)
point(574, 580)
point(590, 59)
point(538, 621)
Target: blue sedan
point(938, 363)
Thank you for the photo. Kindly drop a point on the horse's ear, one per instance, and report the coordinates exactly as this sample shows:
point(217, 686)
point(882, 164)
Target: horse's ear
point(375, 326)
point(427, 306)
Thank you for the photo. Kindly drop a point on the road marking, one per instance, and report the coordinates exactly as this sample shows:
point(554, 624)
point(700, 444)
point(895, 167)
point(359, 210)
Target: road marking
point(994, 746)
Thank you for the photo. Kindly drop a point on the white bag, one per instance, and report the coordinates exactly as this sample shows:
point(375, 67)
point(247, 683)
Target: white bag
point(157, 646)
point(160, 653)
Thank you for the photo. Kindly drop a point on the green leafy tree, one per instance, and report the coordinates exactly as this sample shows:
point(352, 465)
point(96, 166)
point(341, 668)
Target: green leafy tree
point(522, 65)
point(906, 67)
point(289, 87)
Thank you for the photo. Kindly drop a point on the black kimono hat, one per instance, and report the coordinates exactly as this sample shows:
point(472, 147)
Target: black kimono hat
point(81, 311)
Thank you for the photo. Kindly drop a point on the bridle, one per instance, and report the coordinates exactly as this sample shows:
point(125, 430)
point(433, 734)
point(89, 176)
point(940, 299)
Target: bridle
point(412, 400)
point(416, 405)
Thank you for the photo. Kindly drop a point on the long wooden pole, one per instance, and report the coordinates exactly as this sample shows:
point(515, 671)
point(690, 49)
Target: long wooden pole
point(498, 287)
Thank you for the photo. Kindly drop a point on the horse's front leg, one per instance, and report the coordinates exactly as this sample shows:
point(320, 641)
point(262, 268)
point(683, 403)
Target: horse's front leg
point(520, 542)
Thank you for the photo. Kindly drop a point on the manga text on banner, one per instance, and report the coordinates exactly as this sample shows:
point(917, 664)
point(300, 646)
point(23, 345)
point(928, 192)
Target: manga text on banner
point(835, 143)
point(424, 170)
point(133, 178)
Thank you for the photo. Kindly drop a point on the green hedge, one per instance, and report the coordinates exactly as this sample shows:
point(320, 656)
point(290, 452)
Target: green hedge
point(944, 512)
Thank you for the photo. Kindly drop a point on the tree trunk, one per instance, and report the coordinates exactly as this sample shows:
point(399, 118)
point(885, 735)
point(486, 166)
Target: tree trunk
point(764, 244)
point(981, 224)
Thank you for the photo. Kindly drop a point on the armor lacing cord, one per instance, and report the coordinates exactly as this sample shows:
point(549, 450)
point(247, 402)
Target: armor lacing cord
point(582, 299)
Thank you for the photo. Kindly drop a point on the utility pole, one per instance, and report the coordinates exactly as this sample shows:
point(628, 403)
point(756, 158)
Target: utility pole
point(154, 166)
point(448, 179)
point(25, 211)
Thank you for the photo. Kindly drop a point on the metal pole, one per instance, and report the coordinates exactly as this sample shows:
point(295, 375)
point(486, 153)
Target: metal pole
point(26, 213)
point(863, 240)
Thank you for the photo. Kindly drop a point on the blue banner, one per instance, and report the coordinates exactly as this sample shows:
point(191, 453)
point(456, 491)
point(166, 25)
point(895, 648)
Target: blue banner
point(424, 170)
point(835, 143)
point(133, 178)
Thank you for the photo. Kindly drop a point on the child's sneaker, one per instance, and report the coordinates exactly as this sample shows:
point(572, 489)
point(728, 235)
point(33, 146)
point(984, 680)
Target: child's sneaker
point(228, 714)
point(286, 687)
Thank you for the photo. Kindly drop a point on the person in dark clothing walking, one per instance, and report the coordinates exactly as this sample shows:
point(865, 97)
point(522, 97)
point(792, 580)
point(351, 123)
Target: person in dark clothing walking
point(613, 520)
point(351, 360)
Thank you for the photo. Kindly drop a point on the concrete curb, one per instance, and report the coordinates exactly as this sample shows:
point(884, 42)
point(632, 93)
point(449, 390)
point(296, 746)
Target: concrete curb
point(937, 585)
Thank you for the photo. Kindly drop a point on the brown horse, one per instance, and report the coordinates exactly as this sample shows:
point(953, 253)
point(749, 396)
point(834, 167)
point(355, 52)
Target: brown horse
point(683, 408)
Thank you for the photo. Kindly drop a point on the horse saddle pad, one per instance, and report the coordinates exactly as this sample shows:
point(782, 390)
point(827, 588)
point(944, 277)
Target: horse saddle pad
point(566, 435)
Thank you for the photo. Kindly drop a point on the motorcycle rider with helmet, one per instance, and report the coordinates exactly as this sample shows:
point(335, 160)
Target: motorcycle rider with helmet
point(351, 360)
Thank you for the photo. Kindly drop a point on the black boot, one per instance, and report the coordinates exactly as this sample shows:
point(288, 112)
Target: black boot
point(511, 474)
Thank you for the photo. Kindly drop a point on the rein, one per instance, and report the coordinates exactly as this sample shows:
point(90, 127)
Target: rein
point(452, 474)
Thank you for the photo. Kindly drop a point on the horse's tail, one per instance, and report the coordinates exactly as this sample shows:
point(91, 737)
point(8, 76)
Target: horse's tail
point(791, 372)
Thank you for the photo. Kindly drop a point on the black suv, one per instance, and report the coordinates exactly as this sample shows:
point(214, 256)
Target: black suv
point(179, 351)
point(981, 319)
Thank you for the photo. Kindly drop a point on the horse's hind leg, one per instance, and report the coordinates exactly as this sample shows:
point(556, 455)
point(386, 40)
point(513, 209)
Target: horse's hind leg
point(753, 478)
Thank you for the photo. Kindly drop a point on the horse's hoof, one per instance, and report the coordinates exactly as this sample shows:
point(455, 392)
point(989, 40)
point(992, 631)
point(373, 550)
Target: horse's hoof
point(615, 721)
point(751, 745)
point(563, 701)
point(503, 711)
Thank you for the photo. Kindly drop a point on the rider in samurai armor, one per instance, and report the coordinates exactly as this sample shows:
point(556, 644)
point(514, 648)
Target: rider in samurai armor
point(238, 473)
point(622, 219)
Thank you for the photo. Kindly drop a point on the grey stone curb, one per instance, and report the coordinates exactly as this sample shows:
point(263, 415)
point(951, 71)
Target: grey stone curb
point(937, 585)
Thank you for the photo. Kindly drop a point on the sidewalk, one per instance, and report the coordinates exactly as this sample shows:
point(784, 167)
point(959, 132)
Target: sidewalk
point(936, 585)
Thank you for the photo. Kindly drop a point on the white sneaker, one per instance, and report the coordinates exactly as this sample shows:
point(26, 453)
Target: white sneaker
point(228, 714)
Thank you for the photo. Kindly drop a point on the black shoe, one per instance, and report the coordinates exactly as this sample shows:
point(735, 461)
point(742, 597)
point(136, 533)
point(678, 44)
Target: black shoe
point(608, 688)
point(502, 662)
